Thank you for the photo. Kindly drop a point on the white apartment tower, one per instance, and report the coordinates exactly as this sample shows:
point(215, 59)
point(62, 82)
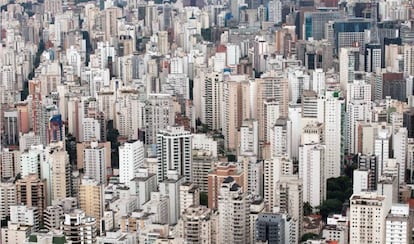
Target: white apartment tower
point(94, 162)
point(174, 152)
point(170, 188)
point(398, 227)
point(91, 129)
point(274, 169)
point(312, 172)
point(289, 200)
point(249, 137)
point(382, 148)
point(367, 218)
point(158, 115)
point(234, 210)
point(131, 158)
point(30, 161)
point(281, 138)
point(332, 133)
point(400, 144)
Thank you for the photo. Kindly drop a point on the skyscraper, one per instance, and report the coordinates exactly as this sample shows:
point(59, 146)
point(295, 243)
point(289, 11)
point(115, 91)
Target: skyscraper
point(131, 158)
point(174, 152)
point(170, 187)
point(31, 191)
point(94, 162)
point(367, 218)
point(312, 171)
point(234, 209)
point(158, 115)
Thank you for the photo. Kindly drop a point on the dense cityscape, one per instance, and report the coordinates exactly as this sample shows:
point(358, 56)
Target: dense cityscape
point(207, 121)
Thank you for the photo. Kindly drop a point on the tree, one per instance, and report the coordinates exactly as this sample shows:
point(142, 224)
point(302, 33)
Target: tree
point(330, 206)
point(203, 198)
point(307, 209)
point(112, 136)
point(308, 236)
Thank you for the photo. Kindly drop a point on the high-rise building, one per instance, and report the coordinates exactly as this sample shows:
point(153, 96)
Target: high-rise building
point(9, 164)
point(382, 148)
point(234, 209)
point(249, 138)
point(211, 100)
point(367, 218)
point(408, 50)
point(400, 143)
point(170, 187)
point(372, 57)
point(275, 11)
point(350, 32)
point(272, 85)
point(312, 172)
point(408, 122)
point(11, 129)
point(369, 163)
point(91, 129)
point(15, 233)
point(203, 162)
point(7, 199)
point(158, 115)
point(332, 122)
point(174, 152)
point(281, 138)
point(289, 200)
point(31, 191)
point(31, 160)
point(189, 196)
point(58, 172)
point(349, 62)
point(197, 225)
point(216, 176)
point(25, 215)
point(271, 228)
point(142, 185)
point(79, 228)
point(274, 168)
point(131, 158)
point(398, 225)
point(94, 162)
point(91, 199)
point(236, 108)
